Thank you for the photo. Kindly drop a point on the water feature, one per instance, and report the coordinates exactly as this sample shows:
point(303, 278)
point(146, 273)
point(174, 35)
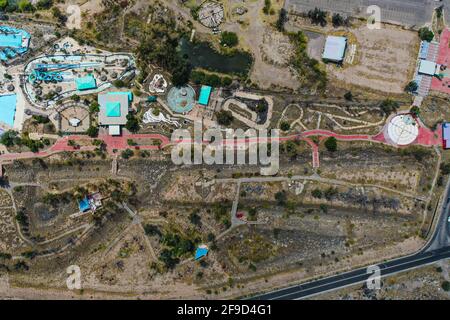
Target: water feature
point(201, 55)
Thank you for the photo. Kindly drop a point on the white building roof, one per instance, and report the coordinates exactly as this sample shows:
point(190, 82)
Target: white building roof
point(427, 67)
point(334, 48)
point(114, 130)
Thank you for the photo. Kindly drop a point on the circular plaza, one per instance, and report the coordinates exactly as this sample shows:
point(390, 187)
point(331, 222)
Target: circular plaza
point(402, 130)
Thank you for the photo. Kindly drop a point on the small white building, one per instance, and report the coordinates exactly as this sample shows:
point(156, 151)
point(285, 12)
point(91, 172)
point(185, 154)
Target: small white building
point(334, 49)
point(428, 67)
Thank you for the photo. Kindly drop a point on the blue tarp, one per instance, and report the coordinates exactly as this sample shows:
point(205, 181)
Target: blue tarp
point(84, 205)
point(201, 252)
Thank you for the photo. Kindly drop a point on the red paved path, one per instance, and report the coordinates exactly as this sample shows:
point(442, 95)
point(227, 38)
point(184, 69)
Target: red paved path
point(426, 137)
point(444, 59)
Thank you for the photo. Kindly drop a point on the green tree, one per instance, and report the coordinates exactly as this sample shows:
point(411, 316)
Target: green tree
point(445, 285)
point(337, 20)
point(126, 154)
point(25, 6)
point(318, 16)
point(267, 6)
point(224, 117)
point(348, 96)
point(281, 198)
point(415, 110)
point(132, 124)
point(282, 19)
point(316, 193)
point(331, 144)
point(229, 39)
point(426, 34)
point(388, 106)
point(44, 4)
point(3, 4)
point(92, 131)
point(411, 87)
point(285, 126)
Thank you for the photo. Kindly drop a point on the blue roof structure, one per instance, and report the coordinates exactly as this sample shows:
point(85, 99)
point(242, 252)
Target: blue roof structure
point(86, 83)
point(424, 46)
point(334, 48)
point(446, 135)
point(84, 205)
point(201, 252)
point(205, 93)
point(113, 109)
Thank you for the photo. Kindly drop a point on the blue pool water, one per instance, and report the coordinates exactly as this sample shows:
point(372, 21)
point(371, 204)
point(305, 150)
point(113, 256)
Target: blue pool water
point(8, 109)
point(13, 42)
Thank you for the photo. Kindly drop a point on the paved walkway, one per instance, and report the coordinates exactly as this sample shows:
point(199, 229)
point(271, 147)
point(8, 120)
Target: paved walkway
point(426, 137)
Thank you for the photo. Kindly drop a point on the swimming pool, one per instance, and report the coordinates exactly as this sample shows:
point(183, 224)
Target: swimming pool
point(12, 42)
point(8, 109)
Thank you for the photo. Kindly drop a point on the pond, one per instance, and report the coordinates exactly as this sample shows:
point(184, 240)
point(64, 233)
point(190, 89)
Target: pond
point(201, 55)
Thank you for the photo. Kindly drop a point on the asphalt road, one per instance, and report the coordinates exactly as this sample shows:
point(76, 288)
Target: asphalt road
point(406, 12)
point(438, 248)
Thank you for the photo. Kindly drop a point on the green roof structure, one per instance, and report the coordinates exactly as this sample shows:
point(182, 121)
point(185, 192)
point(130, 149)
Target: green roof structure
point(86, 83)
point(113, 109)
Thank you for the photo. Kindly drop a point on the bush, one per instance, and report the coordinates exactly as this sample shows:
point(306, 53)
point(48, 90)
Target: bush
point(318, 16)
point(445, 285)
point(132, 124)
point(388, 106)
point(224, 118)
point(285, 126)
point(411, 87)
point(282, 18)
point(126, 154)
point(348, 96)
point(316, 193)
point(92, 131)
point(267, 6)
point(331, 144)
point(229, 39)
point(426, 34)
point(281, 198)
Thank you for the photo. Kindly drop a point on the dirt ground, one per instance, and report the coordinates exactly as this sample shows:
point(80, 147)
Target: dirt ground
point(385, 59)
point(269, 48)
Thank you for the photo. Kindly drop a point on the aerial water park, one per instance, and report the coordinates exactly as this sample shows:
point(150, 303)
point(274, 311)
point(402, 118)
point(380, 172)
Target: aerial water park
point(13, 42)
point(51, 78)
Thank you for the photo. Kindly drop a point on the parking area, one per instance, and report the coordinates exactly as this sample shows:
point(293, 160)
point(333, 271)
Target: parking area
point(405, 12)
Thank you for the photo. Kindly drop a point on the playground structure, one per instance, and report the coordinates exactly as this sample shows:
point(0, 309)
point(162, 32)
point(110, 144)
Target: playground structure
point(50, 78)
point(211, 14)
point(152, 117)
